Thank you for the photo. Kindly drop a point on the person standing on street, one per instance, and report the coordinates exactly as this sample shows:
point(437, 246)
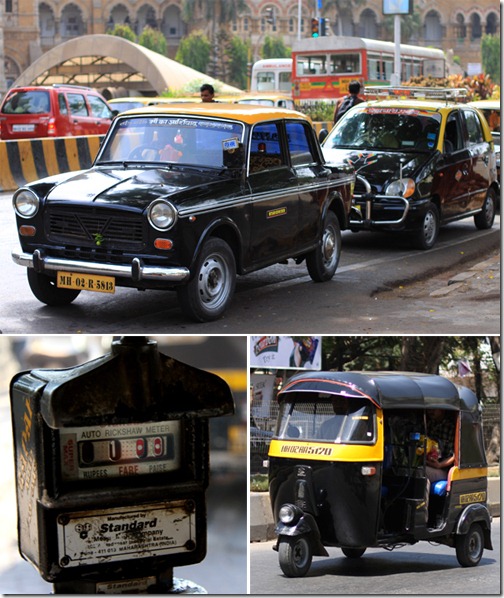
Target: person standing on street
point(207, 92)
point(346, 102)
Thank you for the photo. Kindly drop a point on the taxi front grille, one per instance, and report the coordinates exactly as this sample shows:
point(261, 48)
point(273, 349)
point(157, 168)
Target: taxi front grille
point(95, 229)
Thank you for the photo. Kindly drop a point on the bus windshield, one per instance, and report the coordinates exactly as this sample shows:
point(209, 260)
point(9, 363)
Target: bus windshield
point(340, 420)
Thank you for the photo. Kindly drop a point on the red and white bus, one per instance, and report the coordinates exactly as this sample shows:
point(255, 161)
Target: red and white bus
point(323, 67)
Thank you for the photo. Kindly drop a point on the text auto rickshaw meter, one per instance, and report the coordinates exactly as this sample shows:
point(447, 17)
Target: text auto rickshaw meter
point(112, 463)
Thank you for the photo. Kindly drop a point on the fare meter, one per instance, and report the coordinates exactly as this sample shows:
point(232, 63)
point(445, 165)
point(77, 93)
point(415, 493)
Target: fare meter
point(112, 464)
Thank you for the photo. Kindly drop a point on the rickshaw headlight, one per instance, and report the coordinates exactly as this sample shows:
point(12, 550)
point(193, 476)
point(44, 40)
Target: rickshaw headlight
point(289, 514)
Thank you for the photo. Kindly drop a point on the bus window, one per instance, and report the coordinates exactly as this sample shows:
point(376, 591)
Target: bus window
point(311, 65)
point(346, 63)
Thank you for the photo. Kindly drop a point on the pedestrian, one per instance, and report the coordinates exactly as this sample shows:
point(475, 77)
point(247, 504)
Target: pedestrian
point(207, 92)
point(345, 103)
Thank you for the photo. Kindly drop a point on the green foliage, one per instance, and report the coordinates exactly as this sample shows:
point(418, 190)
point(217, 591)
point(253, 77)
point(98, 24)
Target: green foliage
point(194, 51)
point(430, 354)
point(274, 47)
point(123, 31)
point(491, 56)
point(153, 39)
point(237, 54)
point(318, 111)
point(259, 482)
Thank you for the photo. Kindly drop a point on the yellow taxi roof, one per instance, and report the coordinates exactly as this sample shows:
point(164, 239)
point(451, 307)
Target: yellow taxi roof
point(248, 113)
point(492, 104)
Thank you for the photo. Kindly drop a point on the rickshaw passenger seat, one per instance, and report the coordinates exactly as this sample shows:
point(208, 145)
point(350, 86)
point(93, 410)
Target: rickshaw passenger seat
point(439, 488)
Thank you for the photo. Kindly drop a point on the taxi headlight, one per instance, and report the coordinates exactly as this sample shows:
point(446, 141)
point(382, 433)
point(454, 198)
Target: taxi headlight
point(26, 204)
point(162, 214)
point(403, 187)
point(289, 514)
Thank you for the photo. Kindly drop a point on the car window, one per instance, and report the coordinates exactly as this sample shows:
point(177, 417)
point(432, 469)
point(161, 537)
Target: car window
point(299, 144)
point(265, 149)
point(453, 140)
point(98, 107)
point(62, 104)
point(474, 131)
point(77, 104)
point(27, 102)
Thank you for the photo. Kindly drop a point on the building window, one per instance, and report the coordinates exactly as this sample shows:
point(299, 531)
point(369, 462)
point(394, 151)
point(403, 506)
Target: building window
point(491, 24)
point(475, 26)
point(8, 6)
point(461, 27)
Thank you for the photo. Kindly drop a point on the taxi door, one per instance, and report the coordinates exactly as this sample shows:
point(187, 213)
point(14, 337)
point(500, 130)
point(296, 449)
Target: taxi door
point(274, 196)
point(455, 171)
point(481, 159)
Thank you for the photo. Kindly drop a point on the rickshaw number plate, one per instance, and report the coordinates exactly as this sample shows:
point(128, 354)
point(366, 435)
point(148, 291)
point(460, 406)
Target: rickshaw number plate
point(110, 535)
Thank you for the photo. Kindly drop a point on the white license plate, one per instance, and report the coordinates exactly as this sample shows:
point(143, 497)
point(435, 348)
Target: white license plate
point(85, 282)
point(23, 128)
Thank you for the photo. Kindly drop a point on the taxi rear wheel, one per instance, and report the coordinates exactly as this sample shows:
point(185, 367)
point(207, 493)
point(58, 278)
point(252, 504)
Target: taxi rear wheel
point(323, 261)
point(427, 234)
point(46, 291)
point(208, 294)
point(485, 218)
point(294, 556)
point(470, 546)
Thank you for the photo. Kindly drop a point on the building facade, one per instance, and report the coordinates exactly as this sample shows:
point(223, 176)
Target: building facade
point(29, 28)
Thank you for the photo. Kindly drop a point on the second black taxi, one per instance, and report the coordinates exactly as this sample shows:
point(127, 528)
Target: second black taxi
point(423, 159)
point(185, 198)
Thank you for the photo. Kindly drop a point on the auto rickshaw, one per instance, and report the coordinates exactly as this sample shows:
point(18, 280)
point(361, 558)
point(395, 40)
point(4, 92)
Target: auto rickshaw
point(347, 467)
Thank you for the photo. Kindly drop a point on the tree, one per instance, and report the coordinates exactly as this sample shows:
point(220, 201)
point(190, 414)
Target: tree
point(194, 51)
point(123, 31)
point(154, 40)
point(491, 56)
point(274, 47)
point(237, 52)
point(411, 26)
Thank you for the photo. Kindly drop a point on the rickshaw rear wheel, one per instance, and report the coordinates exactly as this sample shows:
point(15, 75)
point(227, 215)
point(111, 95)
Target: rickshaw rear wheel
point(295, 556)
point(470, 546)
point(353, 553)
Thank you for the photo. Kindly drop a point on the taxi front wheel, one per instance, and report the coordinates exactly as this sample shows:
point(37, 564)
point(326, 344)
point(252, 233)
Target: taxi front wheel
point(470, 546)
point(426, 235)
point(209, 292)
point(294, 556)
point(46, 291)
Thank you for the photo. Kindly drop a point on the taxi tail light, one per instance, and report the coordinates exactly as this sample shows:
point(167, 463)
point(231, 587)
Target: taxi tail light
point(368, 470)
point(51, 127)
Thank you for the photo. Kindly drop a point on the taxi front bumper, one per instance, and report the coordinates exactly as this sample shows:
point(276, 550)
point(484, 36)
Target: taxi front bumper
point(136, 271)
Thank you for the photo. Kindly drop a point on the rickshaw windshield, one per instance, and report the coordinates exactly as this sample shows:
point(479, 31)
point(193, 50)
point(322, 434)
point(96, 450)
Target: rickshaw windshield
point(328, 419)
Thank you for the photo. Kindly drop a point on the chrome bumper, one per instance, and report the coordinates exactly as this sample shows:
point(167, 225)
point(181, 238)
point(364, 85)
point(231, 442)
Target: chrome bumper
point(364, 221)
point(136, 272)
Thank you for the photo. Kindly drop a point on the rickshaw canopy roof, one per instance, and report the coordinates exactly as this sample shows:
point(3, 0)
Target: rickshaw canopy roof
point(388, 390)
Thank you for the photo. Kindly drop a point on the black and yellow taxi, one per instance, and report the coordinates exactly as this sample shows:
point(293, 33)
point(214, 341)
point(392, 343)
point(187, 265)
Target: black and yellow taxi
point(186, 197)
point(423, 158)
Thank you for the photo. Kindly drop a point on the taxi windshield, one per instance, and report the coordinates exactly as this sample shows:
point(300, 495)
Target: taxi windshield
point(387, 128)
point(337, 419)
point(194, 141)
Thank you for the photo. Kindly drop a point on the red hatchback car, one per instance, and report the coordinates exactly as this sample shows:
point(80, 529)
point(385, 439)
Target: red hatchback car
point(55, 111)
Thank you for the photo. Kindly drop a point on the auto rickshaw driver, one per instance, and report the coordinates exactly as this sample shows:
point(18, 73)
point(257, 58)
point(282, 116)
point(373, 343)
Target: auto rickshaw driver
point(441, 428)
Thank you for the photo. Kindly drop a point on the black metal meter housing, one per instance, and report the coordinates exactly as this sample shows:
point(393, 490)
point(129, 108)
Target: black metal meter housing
point(112, 463)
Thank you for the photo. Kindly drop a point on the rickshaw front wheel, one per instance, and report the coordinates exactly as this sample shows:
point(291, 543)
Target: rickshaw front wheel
point(353, 553)
point(470, 546)
point(294, 555)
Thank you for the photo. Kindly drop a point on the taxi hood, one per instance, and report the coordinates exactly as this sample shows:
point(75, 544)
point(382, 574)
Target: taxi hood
point(131, 186)
point(380, 167)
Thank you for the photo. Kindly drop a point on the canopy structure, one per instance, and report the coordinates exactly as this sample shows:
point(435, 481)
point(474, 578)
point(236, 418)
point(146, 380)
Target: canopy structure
point(107, 61)
point(389, 390)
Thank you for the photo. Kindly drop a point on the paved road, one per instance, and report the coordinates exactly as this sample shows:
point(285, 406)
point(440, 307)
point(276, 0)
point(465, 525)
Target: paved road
point(422, 569)
point(283, 298)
